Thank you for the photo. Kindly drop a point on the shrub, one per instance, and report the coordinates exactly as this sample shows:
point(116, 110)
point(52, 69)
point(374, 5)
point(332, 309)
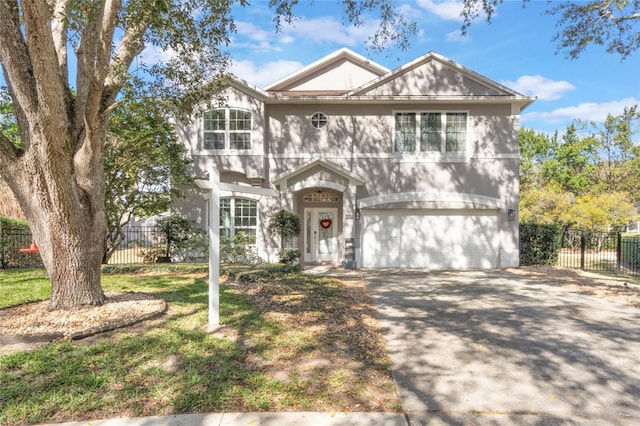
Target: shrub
point(240, 248)
point(258, 273)
point(539, 243)
point(288, 256)
point(285, 225)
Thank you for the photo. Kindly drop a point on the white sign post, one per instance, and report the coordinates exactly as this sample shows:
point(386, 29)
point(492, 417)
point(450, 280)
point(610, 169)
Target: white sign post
point(215, 186)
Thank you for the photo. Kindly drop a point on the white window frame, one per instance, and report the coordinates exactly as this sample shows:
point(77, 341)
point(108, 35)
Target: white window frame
point(233, 229)
point(319, 120)
point(417, 154)
point(227, 130)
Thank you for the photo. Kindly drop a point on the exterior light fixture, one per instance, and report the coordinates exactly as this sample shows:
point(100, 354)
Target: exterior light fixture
point(357, 214)
point(511, 215)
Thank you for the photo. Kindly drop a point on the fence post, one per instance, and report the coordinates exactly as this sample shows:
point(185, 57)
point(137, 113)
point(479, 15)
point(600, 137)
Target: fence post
point(2, 254)
point(583, 245)
point(618, 252)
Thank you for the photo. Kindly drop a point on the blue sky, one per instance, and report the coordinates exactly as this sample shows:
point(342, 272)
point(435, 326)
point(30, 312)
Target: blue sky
point(516, 49)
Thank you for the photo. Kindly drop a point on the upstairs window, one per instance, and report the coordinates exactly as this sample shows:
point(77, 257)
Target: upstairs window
point(430, 132)
point(227, 128)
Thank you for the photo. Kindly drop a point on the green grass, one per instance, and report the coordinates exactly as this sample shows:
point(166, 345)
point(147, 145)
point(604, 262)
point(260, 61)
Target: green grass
point(23, 285)
point(177, 367)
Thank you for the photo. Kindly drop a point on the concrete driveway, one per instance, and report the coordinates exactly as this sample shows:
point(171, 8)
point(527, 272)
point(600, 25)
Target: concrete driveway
point(490, 347)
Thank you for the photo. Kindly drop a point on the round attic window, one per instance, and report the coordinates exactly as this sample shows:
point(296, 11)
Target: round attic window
point(319, 120)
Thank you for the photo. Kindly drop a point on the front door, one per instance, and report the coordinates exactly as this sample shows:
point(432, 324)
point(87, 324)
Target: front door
point(320, 235)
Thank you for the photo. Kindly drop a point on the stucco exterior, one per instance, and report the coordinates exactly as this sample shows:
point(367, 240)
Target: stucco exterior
point(358, 173)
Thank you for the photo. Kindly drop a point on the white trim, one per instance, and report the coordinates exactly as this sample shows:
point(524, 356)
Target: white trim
point(431, 157)
point(232, 187)
point(403, 197)
point(354, 57)
point(430, 57)
point(309, 156)
point(282, 178)
point(497, 156)
point(237, 194)
point(405, 99)
point(306, 184)
point(402, 157)
point(225, 153)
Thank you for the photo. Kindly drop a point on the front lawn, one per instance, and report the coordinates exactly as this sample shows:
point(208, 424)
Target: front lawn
point(291, 342)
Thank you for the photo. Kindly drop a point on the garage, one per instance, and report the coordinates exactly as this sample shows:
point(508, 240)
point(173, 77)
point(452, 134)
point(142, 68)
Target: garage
point(431, 239)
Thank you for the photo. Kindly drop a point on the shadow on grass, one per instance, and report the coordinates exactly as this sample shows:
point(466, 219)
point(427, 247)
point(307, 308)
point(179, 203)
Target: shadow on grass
point(290, 354)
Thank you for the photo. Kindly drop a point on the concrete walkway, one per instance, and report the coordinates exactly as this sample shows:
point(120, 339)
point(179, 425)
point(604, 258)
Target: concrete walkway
point(255, 419)
point(490, 347)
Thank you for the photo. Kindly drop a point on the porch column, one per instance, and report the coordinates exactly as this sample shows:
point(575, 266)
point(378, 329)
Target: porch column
point(349, 225)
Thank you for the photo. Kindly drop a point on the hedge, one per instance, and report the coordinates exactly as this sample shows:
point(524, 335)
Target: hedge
point(539, 243)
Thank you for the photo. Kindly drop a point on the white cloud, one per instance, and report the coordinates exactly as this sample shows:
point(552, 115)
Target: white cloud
point(152, 55)
point(263, 75)
point(259, 39)
point(457, 36)
point(330, 30)
point(542, 87)
point(587, 111)
point(448, 10)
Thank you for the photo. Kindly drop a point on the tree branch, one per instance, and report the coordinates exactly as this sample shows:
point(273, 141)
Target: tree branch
point(16, 64)
point(94, 55)
point(51, 91)
point(60, 31)
point(8, 155)
point(131, 46)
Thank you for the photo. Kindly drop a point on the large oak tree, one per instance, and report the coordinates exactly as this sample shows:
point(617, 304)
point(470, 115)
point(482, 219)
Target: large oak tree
point(65, 62)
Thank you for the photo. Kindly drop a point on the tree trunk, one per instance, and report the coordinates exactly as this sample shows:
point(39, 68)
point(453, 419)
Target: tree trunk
point(67, 220)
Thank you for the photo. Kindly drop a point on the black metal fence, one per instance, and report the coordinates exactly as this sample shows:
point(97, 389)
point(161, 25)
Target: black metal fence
point(611, 252)
point(11, 241)
point(139, 244)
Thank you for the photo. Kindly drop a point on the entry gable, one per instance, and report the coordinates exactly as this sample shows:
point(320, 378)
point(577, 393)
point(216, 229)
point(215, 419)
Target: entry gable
point(337, 73)
point(433, 75)
point(316, 167)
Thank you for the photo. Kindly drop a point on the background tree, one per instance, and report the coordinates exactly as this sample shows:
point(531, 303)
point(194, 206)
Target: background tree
point(588, 179)
point(618, 155)
point(57, 175)
point(571, 162)
point(609, 23)
point(535, 150)
point(604, 212)
point(548, 204)
point(144, 164)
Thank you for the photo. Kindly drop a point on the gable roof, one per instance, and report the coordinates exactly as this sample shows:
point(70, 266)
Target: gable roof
point(430, 78)
point(343, 69)
point(281, 179)
point(433, 74)
point(236, 82)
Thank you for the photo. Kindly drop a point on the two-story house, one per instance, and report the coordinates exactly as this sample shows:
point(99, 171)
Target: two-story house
point(415, 167)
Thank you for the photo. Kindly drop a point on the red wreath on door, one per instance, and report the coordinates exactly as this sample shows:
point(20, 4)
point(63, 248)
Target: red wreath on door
point(325, 223)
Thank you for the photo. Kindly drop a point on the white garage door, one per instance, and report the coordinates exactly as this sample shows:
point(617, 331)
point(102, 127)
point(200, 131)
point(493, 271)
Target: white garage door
point(433, 239)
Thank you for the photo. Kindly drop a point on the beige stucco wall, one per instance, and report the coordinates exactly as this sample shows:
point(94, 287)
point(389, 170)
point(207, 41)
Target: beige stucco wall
point(432, 78)
point(339, 75)
point(359, 138)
